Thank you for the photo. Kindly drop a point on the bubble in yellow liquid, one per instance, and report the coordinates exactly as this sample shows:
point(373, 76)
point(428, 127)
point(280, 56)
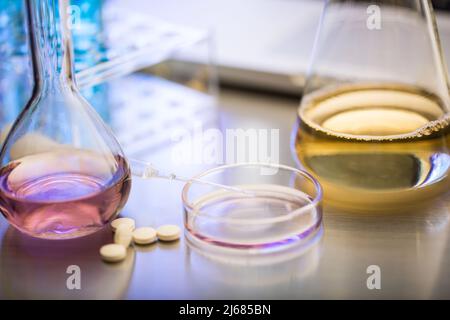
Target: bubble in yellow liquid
point(374, 147)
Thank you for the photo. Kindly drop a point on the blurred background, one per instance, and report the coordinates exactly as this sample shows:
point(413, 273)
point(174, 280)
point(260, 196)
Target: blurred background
point(441, 4)
point(179, 52)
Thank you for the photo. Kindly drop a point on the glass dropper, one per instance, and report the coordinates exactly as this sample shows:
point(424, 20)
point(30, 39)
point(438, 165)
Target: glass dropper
point(147, 170)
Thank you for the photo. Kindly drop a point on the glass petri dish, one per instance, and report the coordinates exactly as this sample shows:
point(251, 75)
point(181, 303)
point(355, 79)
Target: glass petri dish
point(279, 208)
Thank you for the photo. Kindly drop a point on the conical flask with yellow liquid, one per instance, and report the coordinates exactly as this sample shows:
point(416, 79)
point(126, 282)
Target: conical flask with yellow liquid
point(373, 124)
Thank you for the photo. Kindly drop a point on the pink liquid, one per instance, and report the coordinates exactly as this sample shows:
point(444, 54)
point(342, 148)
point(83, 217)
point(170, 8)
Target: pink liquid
point(63, 205)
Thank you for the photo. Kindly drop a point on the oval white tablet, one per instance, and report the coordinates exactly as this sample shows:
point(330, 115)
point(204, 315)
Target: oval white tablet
point(113, 252)
point(123, 221)
point(123, 235)
point(144, 235)
point(168, 232)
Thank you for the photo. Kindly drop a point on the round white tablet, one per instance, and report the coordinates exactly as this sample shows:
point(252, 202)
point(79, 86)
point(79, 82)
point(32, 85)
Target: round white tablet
point(123, 235)
point(113, 252)
point(123, 221)
point(168, 232)
point(144, 235)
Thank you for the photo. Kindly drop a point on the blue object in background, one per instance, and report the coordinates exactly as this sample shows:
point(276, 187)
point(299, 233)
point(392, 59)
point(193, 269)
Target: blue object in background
point(15, 67)
point(87, 33)
point(13, 38)
point(88, 43)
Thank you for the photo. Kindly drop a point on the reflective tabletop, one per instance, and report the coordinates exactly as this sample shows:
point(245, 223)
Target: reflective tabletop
point(411, 249)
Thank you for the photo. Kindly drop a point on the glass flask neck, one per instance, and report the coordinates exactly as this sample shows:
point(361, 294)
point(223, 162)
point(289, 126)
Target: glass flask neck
point(51, 45)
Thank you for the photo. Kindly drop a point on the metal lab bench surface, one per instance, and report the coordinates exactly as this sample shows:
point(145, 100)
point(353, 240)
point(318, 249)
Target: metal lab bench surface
point(412, 250)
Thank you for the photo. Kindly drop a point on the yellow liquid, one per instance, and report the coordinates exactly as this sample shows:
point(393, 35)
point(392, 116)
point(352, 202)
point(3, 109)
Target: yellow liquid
point(375, 147)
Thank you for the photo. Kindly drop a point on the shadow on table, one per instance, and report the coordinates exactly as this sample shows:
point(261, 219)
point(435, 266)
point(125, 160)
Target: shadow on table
point(410, 246)
point(253, 276)
point(33, 268)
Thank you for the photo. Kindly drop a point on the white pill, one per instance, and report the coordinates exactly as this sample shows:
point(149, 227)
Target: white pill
point(145, 235)
point(113, 252)
point(123, 221)
point(123, 235)
point(168, 233)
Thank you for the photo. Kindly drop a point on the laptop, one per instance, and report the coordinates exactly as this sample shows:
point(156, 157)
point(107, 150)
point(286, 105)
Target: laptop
point(263, 44)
